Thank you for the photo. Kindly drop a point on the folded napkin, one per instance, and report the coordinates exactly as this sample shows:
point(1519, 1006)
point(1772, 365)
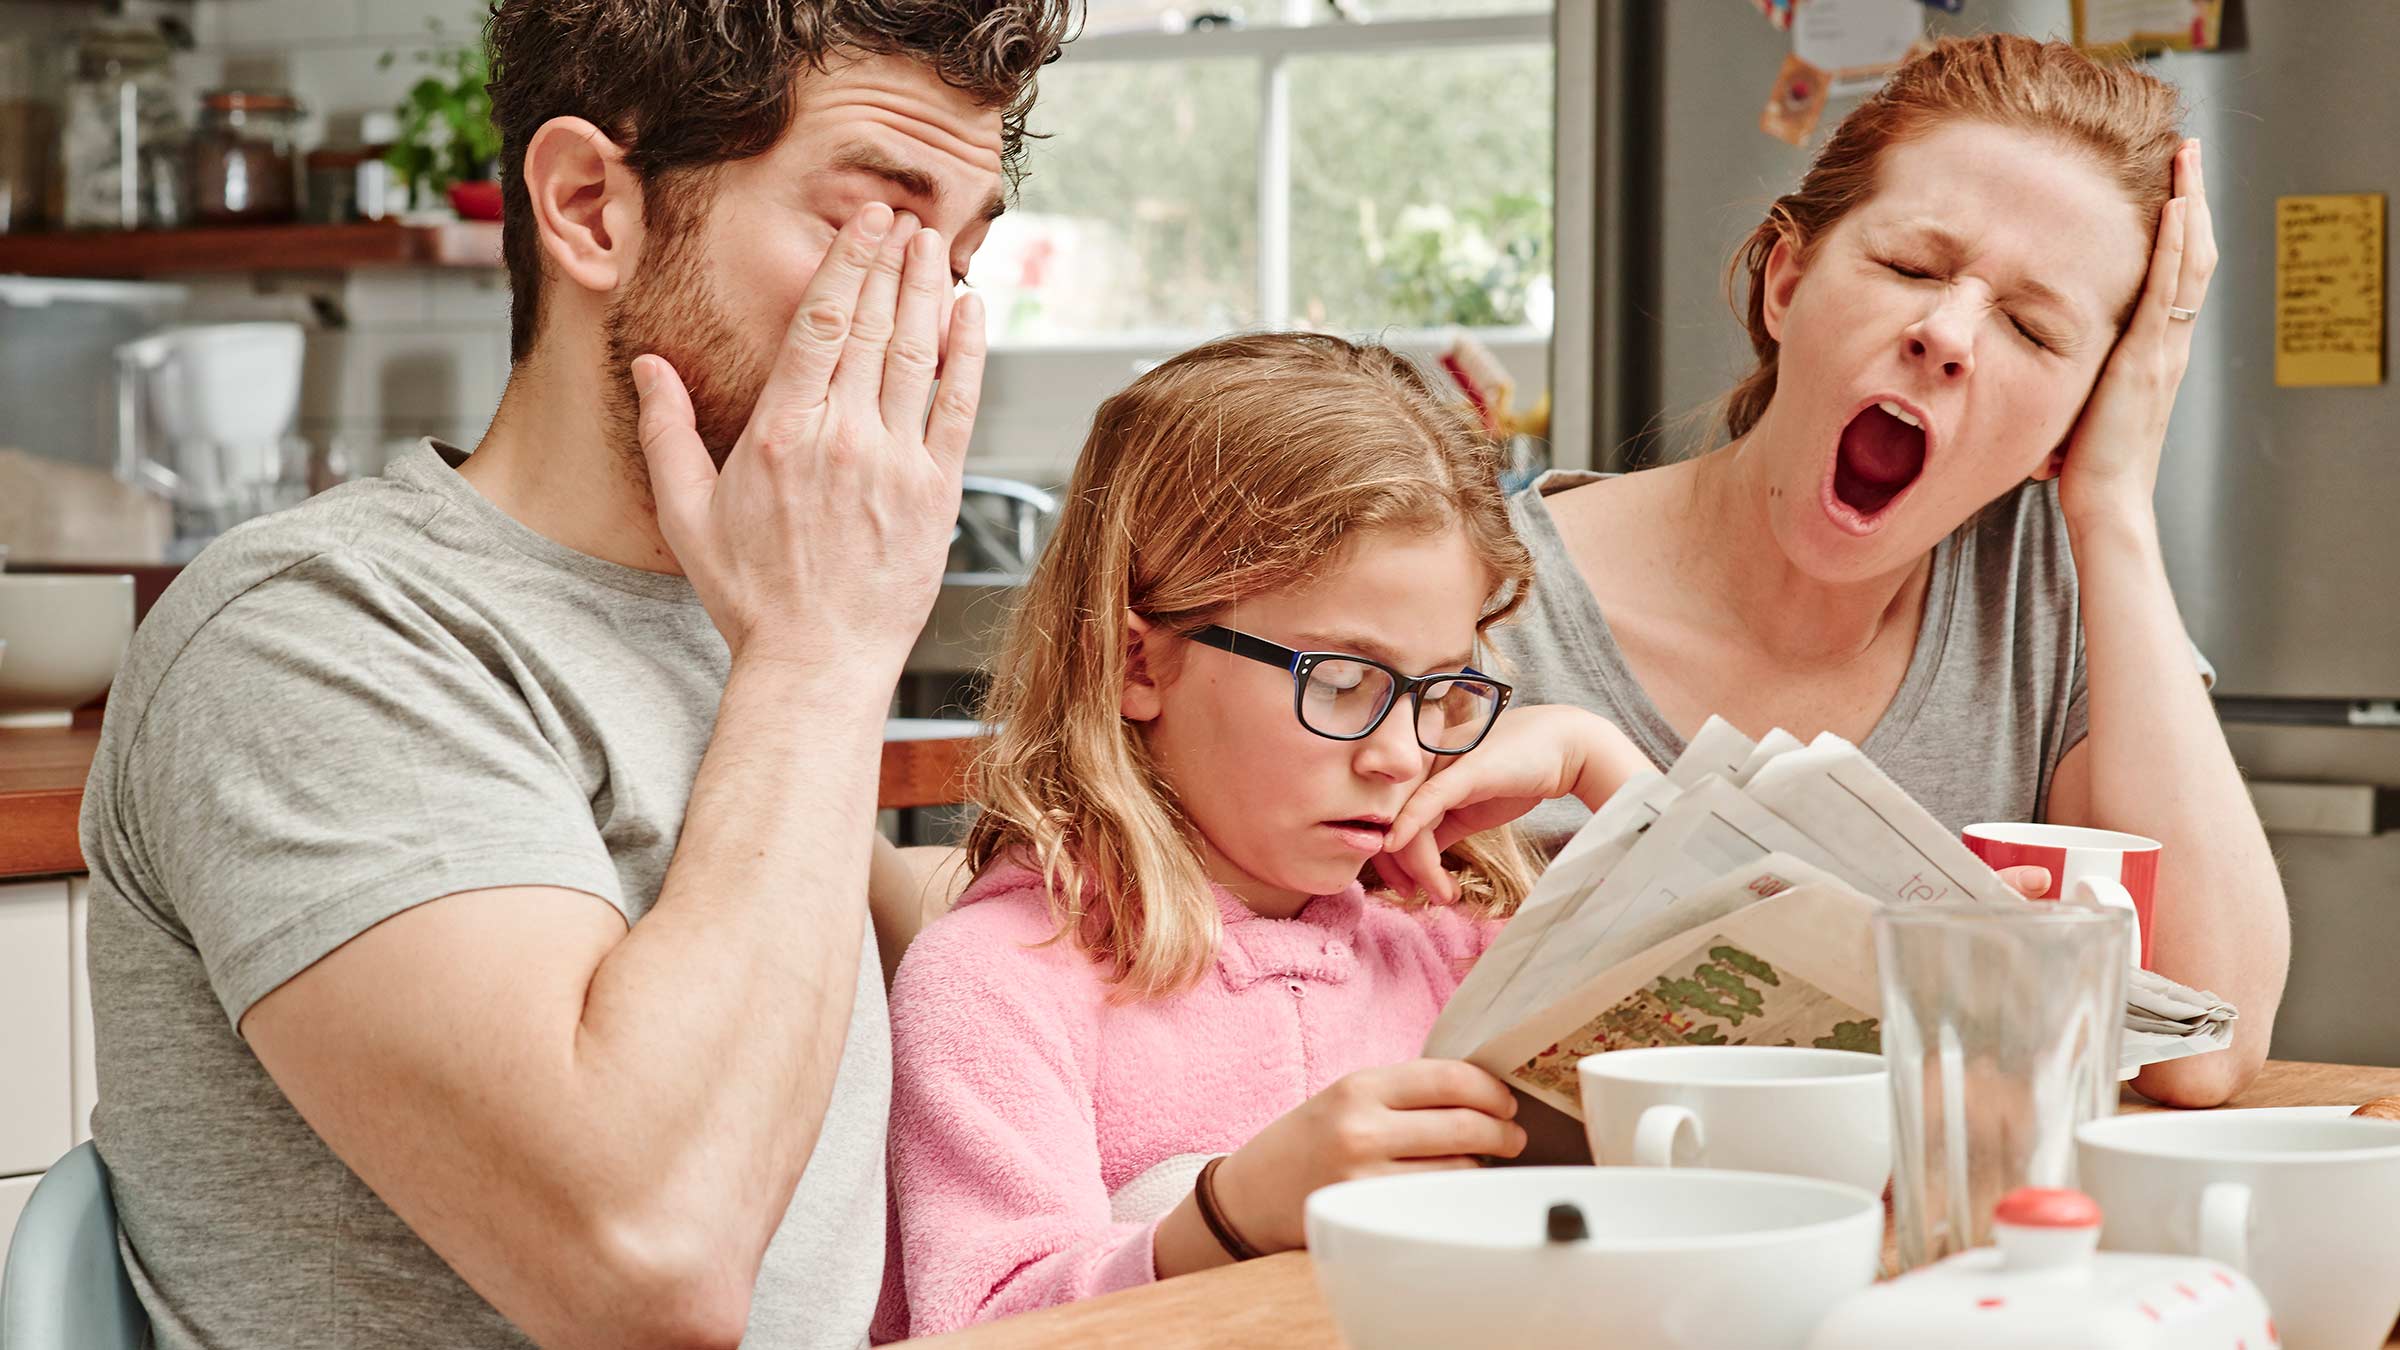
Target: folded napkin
point(2164, 1020)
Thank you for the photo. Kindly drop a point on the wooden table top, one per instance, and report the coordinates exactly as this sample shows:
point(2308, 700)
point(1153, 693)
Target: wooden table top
point(1274, 1302)
point(41, 793)
point(42, 771)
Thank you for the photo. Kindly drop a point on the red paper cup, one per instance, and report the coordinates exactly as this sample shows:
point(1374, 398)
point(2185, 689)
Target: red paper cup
point(2115, 865)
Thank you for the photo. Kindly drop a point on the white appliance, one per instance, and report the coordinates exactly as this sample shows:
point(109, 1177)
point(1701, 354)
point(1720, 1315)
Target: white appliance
point(204, 419)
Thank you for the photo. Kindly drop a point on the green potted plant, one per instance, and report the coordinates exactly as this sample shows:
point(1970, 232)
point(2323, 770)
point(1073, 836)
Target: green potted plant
point(447, 144)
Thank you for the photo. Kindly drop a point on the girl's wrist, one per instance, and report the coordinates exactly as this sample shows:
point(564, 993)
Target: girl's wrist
point(1602, 771)
point(1236, 1208)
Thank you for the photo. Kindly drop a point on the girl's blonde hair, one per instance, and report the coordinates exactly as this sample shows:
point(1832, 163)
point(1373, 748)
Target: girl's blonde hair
point(1236, 469)
point(2119, 116)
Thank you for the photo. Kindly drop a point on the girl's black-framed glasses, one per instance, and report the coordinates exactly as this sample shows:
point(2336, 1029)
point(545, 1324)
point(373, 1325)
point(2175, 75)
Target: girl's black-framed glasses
point(1344, 697)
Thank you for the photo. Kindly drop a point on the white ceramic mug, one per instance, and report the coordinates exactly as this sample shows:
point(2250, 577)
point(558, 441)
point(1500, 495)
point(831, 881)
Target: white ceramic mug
point(2304, 1202)
point(1668, 1260)
point(1796, 1110)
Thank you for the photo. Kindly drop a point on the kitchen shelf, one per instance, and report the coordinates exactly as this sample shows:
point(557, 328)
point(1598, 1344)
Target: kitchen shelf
point(250, 248)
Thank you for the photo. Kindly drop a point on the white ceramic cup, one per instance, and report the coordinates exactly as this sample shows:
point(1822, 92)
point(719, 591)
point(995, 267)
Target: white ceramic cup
point(2305, 1203)
point(1673, 1260)
point(1795, 1110)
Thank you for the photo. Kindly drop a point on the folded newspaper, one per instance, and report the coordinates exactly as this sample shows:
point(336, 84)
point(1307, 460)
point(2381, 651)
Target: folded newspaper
point(1731, 901)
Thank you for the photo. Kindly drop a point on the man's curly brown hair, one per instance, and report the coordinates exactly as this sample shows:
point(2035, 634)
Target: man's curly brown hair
point(688, 84)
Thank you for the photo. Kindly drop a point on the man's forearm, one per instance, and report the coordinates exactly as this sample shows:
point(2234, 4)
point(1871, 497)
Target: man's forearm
point(715, 1027)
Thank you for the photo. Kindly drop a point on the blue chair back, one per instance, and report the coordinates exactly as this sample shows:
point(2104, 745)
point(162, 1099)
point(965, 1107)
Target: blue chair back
point(65, 1287)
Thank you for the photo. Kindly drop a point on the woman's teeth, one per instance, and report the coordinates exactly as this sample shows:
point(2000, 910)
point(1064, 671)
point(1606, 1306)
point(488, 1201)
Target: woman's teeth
point(1902, 413)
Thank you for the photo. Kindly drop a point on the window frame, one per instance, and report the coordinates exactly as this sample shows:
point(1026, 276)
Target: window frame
point(1271, 47)
point(1030, 381)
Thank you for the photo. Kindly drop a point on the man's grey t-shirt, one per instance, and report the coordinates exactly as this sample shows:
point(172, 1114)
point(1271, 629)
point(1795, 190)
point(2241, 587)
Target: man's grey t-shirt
point(1993, 697)
point(391, 693)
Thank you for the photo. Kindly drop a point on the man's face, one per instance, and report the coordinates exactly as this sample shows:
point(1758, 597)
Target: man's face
point(718, 286)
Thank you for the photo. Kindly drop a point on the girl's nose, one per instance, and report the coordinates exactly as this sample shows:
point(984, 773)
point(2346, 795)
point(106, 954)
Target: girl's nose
point(1391, 751)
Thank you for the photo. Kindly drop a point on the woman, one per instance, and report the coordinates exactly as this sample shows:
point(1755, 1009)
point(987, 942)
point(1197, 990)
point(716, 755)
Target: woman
point(1930, 530)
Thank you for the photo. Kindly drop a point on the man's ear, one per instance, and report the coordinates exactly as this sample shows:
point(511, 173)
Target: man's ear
point(1781, 279)
point(1140, 700)
point(586, 202)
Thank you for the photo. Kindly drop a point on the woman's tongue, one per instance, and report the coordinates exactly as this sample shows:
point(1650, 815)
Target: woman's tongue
point(1880, 456)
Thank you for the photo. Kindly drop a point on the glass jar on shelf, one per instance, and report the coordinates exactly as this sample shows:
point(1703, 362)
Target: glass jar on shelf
point(246, 157)
point(121, 140)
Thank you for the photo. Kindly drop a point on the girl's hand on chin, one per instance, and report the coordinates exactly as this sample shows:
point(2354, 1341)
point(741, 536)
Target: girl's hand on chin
point(1532, 755)
point(2111, 459)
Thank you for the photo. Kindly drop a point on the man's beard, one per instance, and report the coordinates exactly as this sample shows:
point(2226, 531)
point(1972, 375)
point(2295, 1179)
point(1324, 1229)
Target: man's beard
point(669, 310)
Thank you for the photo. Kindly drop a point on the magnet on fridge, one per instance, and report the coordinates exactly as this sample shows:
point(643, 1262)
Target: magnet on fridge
point(1795, 103)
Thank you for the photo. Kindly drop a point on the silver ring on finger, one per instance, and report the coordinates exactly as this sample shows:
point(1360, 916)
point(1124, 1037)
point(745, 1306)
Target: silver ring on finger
point(2181, 315)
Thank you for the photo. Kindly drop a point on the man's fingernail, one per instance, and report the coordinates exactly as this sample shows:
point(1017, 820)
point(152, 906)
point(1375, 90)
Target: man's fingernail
point(875, 220)
point(970, 308)
point(645, 374)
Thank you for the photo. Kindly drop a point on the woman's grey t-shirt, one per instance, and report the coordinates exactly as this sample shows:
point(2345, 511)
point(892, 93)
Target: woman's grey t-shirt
point(1993, 697)
point(391, 693)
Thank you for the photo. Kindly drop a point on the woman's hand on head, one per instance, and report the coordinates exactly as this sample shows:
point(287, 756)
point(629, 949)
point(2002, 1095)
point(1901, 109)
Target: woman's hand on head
point(1532, 755)
point(2111, 460)
point(1424, 1115)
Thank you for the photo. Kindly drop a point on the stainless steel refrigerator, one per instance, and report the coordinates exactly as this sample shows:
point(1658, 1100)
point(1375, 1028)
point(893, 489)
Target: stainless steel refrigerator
point(2280, 507)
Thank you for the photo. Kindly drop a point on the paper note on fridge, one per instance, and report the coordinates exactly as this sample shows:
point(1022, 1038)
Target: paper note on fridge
point(2329, 264)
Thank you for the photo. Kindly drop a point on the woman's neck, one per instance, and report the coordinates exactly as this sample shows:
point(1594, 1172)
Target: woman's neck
point(1728, 552)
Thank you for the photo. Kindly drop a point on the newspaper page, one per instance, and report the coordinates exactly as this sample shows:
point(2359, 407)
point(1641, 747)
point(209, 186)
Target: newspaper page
point(1779, 954)
point(1774, 743)
point(1596, 849)
point(1718, 748)
point(1666, 872)
point(1702, 834)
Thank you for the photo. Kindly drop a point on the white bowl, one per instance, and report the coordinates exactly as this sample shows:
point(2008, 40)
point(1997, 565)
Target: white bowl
point(1675, 1260)
point(66, 637)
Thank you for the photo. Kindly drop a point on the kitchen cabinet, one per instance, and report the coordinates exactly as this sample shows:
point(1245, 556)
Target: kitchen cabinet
point(37, 1095)
point(47, 1085)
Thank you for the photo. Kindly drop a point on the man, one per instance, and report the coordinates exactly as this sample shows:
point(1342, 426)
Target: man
point(480, 854)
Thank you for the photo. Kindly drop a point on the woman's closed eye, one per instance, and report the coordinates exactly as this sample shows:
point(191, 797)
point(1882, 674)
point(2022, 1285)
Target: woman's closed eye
point(2032, 335)
point(1906, 269)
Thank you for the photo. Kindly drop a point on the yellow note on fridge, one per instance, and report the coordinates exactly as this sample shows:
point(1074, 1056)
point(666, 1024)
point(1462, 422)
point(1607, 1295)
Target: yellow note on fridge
point(2329, 290)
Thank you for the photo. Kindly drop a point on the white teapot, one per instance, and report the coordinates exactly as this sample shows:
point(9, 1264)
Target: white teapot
point(2047, 1286)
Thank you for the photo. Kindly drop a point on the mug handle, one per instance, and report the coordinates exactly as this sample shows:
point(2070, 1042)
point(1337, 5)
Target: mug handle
point(1656, 1133)
point(2109, 893)
point(2225, 1223)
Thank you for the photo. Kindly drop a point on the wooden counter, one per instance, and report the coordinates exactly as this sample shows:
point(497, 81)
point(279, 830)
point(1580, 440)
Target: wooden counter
point(1274, 1302)
point(41, 793)
point(42, 773)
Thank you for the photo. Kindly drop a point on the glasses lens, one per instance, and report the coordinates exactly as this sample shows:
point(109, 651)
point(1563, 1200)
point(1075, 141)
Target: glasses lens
point(1343, 698)
point(1452, 714)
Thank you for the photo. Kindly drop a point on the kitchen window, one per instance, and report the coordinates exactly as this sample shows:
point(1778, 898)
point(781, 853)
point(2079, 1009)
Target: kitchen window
point(1387, 174)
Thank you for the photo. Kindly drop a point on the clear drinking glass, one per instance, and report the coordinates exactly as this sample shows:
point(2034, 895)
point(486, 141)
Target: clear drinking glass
point(2000, 1025)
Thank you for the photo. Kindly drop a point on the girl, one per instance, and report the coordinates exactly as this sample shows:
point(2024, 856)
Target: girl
point(1254, 635)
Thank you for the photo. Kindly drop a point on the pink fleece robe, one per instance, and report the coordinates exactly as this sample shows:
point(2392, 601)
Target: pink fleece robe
point(1023, 1097)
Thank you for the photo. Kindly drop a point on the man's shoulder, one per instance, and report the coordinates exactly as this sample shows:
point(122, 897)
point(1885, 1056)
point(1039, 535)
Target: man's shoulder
point(332, 544)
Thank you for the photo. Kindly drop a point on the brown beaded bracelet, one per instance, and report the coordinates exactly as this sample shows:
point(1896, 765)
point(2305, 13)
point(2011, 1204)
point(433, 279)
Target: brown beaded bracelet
point(1204, 1191)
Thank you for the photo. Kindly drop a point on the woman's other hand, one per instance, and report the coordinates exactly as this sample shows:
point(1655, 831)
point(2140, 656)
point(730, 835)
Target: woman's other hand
point(2111, 460)
point(2031, 882)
